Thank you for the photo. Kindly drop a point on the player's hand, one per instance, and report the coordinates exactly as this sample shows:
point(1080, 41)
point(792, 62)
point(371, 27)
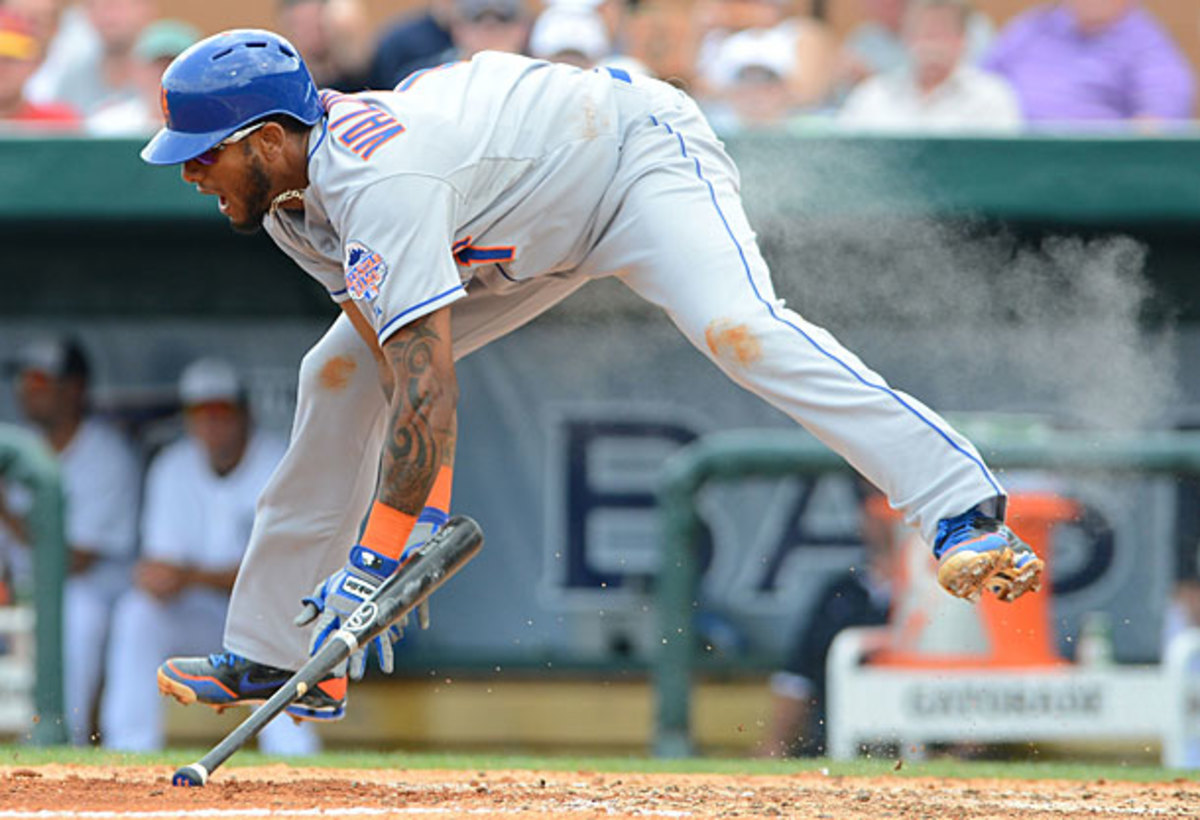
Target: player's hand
point(335, 598)
point(160, 579)
point(340, 594)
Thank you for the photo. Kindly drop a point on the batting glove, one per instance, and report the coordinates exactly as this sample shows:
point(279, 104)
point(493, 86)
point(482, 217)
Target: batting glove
point(335, 598)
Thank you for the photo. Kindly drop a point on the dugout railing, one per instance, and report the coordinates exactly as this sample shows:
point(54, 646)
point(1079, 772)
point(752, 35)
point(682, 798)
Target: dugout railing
point(734, 455)
point(26, 460)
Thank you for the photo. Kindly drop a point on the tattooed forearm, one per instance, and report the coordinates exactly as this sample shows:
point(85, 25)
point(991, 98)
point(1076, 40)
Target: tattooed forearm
point(422, 428)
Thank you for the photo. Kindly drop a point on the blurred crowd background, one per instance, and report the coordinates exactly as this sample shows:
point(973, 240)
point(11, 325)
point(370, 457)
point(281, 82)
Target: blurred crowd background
point(790, 65)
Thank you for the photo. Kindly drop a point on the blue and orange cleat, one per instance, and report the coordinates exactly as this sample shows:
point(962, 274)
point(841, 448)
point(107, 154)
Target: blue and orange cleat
point(223, 680)
point(977, 552)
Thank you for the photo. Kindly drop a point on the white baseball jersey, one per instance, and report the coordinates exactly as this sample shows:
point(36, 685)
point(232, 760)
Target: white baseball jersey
point(197, 518)
point(411, 190)
point(101, 488)
point(101, 481)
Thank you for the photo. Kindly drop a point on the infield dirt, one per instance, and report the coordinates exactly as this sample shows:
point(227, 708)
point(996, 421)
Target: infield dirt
point(281, 790)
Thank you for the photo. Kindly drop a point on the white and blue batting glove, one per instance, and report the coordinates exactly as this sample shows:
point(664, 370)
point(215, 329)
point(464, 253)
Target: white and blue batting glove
point(335, 598)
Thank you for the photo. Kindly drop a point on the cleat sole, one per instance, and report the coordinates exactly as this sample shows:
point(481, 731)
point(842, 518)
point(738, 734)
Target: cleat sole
point(170, 687)
point(175, 689)
point(968, 574)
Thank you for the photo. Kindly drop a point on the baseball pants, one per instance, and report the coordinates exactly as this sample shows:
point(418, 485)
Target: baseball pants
point(88, 601)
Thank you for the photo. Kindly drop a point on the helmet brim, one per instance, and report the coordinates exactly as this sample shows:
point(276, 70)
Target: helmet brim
point(169, 147)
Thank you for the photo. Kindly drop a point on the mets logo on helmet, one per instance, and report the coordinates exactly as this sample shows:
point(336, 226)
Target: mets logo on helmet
point(365, 271)
point(162, 99)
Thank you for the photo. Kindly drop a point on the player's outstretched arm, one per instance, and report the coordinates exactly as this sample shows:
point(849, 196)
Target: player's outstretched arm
point(416, 465)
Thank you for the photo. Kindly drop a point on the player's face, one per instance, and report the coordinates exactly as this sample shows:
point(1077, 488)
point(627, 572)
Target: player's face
point(221, 428)
point(44, 399)
point(237, 177)
point(37, 393)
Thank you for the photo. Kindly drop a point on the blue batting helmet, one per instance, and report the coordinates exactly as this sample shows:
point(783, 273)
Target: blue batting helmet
point(225, 82)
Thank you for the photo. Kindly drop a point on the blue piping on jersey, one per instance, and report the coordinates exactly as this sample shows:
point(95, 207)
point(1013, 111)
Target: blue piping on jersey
point(324, 131)
point(771, 310)
point(408, 81)
point(504, 273)
point(338, 292)
point(383, 330)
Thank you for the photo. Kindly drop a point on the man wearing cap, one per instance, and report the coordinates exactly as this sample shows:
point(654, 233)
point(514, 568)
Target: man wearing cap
point(196, 521)
point(101, 483)
point(572, 35)
point(449, 212)
point(20, 55)
point(486, 25)
point(750, 76)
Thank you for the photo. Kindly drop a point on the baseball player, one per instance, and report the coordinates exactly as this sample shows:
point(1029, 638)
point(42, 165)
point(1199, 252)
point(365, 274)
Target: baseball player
point(449, 211)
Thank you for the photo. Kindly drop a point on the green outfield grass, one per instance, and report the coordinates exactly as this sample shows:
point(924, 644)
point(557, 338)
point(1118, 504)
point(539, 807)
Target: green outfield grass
point(1023, 770)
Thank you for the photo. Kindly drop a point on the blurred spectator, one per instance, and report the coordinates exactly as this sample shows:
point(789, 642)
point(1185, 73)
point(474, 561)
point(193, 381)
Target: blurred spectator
point(811, 70)
point(410, 44)
point(106, 77)
point(334, 37)
point(859, 597)
point(935, 91)
point(1094, 60)
point(573, 35)
point(200, 497)
point(876, 45)
point(749, 75)
point(568, 20)
point(487, 25)
point(20, 52)
point(65, 35)
point(1183, 614)
point(158, 44)
point(101, 485)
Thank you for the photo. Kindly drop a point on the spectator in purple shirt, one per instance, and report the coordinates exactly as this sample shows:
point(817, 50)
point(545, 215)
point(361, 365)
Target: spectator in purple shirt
point(1094, 60)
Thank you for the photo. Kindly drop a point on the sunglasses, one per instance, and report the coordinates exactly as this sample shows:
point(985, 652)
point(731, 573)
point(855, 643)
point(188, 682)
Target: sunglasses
point(210, 156)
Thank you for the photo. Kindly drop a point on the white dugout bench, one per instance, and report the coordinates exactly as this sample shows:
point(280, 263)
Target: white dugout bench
point(914, 706)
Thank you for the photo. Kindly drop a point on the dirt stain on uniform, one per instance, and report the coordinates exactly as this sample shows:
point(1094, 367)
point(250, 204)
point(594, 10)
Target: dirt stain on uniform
point(335, 373)
point(590, 129)
point(733, 342)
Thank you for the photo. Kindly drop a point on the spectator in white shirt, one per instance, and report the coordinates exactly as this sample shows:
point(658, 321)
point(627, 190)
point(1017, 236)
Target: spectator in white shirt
point(199, 508)
point(101, 481)
point(936, 92)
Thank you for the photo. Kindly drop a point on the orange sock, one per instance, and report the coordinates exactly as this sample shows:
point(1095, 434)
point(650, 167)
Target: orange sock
point(388, 529)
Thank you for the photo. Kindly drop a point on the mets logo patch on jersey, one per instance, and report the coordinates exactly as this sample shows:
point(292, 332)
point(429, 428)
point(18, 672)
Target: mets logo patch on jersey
point(365, 271)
